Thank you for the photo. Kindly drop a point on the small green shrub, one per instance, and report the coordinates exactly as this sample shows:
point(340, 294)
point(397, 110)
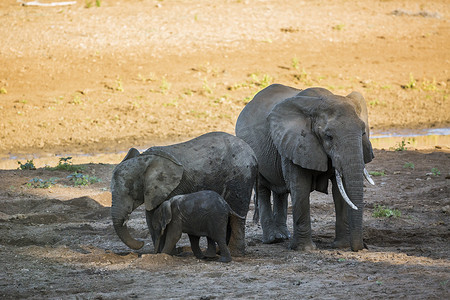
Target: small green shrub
point(29, 165)
point(65, 164)
point(81, 179)
point(401, 146)
point(90, 3)
point(378, 173)
point(119, 85)
point(411, 83)
point(429, 86)
point(381, 211)
point(206, 87)
point(435, 172)
point(295, 63)
point(408, 165)
point(339, 27)
point(165, 86)
point(42, 184)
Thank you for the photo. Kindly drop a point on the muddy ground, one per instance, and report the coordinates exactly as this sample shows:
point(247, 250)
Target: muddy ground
point(85, 79)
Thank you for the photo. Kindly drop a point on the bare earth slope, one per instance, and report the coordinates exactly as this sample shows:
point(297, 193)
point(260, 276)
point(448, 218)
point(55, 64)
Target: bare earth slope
point(144, 70)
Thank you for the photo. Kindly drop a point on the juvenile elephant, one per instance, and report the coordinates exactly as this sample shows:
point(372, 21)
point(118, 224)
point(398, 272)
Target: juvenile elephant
point(301, 140)
point(215, 161)
point(203, 213)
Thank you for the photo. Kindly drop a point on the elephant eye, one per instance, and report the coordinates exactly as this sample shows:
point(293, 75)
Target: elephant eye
point(328, 137)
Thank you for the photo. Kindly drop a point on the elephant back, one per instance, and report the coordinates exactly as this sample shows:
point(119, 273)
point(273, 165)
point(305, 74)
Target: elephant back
point(253, 128)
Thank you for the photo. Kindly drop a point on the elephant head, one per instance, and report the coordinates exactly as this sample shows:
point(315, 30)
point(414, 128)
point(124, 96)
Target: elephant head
point(315, 127)
point(147, 178)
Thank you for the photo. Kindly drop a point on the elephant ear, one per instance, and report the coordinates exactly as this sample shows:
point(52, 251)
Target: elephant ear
point(133, 152)
point(291, 132)
point(361, 109)
point(161, 177)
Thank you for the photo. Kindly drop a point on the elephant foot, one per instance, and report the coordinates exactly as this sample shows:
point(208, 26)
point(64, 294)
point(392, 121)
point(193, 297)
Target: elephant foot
point(283, 231)
point(302, 245)
point(211, 253)
point(277, 235)
point(340, 243)
point(225, 259)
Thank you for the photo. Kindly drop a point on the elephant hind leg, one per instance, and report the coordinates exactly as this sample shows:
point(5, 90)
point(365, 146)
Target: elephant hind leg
point(225, 255)
point(211, 251)
point(237, 237)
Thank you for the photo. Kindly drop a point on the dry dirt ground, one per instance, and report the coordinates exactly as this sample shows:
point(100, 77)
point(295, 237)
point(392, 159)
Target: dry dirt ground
point(87, 79)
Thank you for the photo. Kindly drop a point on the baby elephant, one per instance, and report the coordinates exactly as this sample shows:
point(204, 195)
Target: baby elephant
point(203, 213)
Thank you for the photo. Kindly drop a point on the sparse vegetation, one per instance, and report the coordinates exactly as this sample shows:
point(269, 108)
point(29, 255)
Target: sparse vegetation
point(81, 179)
point(408, 165)
point(339, 27)
point(90, 3)
point(295, 63)
point(381, 211)
point(435, 172)
point(206, 87)
point(65, 164)
point(304, 77)
point(378, 173)
point(41, 183)
point(401, 146)
point(29, 165)
point(429, 86)
point(411, 83)
point(76, 100)
point(165, 86)
point(119, 85)
point(3, 90)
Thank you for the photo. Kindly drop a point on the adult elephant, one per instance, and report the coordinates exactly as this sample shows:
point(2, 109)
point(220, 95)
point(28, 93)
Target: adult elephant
point(215, 161)
point(303, 138)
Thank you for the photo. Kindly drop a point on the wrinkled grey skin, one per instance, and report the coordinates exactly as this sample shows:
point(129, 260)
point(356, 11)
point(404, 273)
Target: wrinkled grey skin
point(215, 161)
point(203, 213)
point(300, 138)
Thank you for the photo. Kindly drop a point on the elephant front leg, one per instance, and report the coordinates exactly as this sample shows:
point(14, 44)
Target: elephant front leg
point(280, 206)
point(195, 246)
point(342, 239)
point(173, 234)
point(266, 215)
point(300, 186)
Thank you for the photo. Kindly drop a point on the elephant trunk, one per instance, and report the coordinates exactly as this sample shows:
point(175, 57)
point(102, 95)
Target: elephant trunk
point(353, 181)
point(119, 216)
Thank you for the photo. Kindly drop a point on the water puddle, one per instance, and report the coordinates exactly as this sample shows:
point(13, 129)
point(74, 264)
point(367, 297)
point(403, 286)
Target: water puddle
point(389, 140)
point(411, 139)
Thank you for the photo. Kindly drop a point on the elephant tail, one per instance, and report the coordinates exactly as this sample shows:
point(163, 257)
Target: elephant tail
point(232, 212)
point(255, 202)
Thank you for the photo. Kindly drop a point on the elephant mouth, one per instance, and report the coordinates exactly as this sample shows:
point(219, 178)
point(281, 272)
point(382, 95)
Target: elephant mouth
point(341, 188)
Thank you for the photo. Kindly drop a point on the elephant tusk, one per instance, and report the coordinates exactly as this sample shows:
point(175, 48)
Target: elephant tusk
point(342, 190)
point(368, 177)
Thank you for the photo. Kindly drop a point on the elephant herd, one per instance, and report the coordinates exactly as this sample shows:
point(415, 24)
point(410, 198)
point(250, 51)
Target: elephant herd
point(288, 141)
